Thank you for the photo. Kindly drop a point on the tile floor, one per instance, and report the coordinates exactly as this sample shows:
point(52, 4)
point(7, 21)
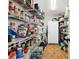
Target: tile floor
point(54, 52)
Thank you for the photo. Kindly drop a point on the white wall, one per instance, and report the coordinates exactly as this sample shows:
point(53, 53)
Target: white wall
point(62, 4)
point(48, 18)
point(44, 4)
point(53, 32)
point(35, 1)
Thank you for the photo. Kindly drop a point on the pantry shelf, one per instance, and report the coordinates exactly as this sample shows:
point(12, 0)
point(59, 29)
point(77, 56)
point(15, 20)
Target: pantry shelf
point(26, 4)
point(37, 13)
point(32, 48)
point(64, 32)
point(20, 2)
point(15, 18)
point(29, 51)
point(67, 37)
point(61, 20)
point(34, 23)
point(63, 26)
point(36, 45)
point(18, 40)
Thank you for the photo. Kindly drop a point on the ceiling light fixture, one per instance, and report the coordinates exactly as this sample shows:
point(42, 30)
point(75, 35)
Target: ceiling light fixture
point(53, 4)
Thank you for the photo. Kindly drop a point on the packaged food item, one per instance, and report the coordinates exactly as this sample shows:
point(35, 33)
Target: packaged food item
point(19, 12)
point(9, 34)
point(13, 26)
point(22, 31)
point(9, 38)
point(9, 53)
point(11, 7)
point(19, 53)
point(13, 37)
point(16, 11)
point(25, 49)
point(13, 53)
point(11, 31)
point(22, 14)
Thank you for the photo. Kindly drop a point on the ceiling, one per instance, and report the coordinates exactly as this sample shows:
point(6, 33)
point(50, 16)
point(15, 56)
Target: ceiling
point(60, 7)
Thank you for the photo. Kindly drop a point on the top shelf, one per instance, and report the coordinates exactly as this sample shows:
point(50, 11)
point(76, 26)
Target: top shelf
point(37, 13)
point(26, 4)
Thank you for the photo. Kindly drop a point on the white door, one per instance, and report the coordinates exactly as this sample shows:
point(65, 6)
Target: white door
point(53, 32)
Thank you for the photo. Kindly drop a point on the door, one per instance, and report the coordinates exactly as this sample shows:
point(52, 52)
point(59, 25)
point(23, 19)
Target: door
point(53, 32)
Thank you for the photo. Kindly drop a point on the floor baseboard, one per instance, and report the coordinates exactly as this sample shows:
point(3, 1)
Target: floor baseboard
point(52, 43)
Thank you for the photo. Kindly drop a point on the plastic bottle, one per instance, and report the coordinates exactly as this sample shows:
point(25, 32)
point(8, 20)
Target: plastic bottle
point(19, 53)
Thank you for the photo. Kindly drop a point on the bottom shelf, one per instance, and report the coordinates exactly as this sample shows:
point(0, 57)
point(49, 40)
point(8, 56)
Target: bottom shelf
point(65, 47)
point(33, 54)
point(31, 49)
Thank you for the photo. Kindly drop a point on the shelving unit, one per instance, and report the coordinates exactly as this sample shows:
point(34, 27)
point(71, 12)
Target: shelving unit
point(26, 4)
point(17, 40)
point(15, 18)
point(29, 8)
point(28, 19)
point(37, 13)
point(31, 49)
point(63, 26)
point(29, 12)
point(64, 32)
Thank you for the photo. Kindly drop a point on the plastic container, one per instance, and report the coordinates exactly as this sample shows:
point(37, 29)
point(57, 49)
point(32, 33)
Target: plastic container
point(19, 53)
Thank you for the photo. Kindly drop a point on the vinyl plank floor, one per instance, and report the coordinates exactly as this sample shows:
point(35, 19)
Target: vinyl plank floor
point(54, 52)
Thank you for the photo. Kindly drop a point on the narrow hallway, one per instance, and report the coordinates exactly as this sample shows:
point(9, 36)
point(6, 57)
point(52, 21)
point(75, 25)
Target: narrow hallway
point(54, 52)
